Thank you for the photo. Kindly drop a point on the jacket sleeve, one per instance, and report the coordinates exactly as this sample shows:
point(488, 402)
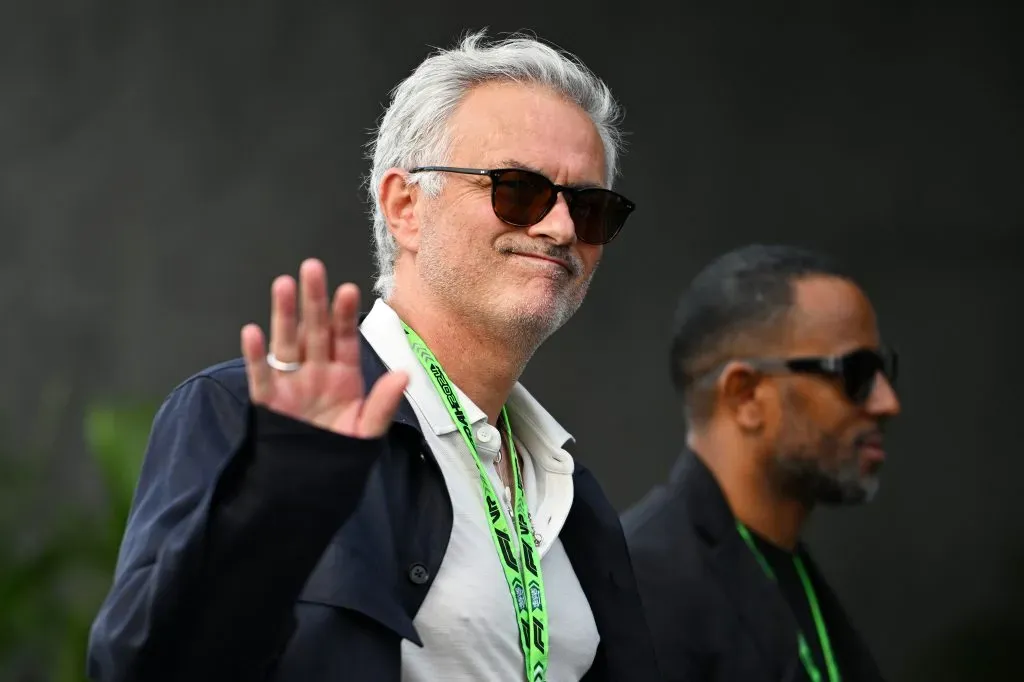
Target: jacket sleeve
point(234, 507)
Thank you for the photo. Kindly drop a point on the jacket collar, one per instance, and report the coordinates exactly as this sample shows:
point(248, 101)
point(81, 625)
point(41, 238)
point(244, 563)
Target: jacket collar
point(373, 368)
point(761, 606)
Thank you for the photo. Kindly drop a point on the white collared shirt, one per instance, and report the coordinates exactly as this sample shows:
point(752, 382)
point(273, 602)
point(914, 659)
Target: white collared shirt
point(467, 621)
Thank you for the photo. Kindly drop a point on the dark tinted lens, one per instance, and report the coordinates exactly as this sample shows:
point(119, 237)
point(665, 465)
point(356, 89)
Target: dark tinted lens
point(598, 215)
point(859, 371)
point(522, 198)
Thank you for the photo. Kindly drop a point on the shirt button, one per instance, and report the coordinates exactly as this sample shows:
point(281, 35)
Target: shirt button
point(484, 434)
point(418, 574)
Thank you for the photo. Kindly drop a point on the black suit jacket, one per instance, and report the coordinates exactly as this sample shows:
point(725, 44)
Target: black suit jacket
point(714, 614)
point(262, 549)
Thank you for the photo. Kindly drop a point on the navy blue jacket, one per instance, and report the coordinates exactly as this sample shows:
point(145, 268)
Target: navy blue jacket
point(260, 548)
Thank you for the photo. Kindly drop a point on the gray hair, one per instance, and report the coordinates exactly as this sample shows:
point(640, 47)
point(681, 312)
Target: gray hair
point(414, 129)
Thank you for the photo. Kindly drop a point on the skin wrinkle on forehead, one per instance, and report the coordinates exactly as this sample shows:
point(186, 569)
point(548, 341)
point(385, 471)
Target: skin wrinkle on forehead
point(533, 113)
point(515, 163)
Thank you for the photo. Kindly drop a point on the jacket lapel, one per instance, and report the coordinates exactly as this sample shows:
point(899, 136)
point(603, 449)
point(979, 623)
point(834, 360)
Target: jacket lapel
point(762, 609)
point(374, 368)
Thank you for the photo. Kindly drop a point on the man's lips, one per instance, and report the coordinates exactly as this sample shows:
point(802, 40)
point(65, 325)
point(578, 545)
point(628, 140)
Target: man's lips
point(873, 448)
point(551, 259)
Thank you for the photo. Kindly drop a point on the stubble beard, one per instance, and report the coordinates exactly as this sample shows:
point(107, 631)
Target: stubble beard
point(524, 325)
point(820, 470)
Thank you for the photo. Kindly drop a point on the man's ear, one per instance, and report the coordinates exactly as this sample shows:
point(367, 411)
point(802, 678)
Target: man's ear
point(398, 199)
point(738, 390)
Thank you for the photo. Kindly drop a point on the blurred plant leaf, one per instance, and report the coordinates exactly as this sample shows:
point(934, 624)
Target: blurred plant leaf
point(26, 591)
point(52, 583)
point(117, 436)
point(70, 661)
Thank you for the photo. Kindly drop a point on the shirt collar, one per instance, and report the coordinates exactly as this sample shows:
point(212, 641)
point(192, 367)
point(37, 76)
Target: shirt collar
point(526, 413)
point(382, 328)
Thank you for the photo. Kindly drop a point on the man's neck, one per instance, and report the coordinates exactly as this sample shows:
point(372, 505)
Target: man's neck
point(481, 362)
point(751, 496)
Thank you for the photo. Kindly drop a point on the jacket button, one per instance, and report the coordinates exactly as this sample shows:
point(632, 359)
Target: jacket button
point(418, 574)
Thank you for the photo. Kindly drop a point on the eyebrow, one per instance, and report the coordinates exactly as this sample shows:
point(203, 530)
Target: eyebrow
point(519, 165)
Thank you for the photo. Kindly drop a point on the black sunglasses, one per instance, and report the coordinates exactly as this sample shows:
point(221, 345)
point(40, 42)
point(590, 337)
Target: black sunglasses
point(522, 198)
point(856, 370)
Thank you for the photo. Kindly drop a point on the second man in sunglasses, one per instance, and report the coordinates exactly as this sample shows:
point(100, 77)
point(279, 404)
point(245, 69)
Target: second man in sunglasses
point(786, 388)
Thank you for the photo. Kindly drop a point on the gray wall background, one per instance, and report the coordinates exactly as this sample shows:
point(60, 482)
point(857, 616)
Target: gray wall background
point(160, 162)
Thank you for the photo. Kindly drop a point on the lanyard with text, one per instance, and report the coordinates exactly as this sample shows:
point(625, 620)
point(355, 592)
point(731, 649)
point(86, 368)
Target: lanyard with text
point(812, 600)
point(522, 569)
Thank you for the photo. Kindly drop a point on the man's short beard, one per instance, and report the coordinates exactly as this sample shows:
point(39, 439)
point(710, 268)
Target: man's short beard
point(533, 330)
point(806, 481)
point(802, 473)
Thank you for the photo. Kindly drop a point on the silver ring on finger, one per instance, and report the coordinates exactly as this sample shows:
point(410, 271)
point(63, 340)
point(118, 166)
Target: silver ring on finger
point(282, 366)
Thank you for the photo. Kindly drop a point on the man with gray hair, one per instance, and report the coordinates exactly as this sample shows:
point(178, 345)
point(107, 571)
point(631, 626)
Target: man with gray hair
point(376, 497)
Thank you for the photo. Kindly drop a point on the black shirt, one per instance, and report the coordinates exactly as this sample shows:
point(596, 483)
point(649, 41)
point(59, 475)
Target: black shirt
point(781, 562)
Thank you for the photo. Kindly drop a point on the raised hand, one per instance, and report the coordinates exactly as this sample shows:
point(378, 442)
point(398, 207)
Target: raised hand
point(323, 381)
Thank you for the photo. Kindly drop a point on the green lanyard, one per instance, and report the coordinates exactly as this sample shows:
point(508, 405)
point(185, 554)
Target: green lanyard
point(812, 600)
point(522, 577)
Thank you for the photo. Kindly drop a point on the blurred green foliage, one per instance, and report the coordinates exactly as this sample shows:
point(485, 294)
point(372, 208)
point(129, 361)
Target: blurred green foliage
point(59, 549)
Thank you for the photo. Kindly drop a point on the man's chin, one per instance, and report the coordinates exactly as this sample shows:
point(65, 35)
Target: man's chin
point(849, 493)
point(538, 325)
point(541, 314)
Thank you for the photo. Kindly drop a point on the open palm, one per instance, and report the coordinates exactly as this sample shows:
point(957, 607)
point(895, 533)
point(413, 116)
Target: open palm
point(324, 385)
